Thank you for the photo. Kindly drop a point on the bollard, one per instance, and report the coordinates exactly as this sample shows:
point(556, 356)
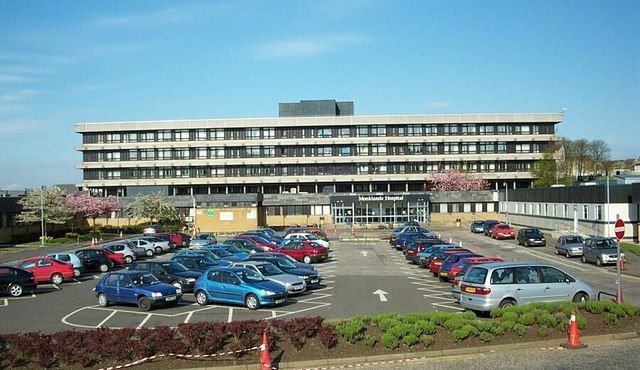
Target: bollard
point(460, 243)
point(622, 261)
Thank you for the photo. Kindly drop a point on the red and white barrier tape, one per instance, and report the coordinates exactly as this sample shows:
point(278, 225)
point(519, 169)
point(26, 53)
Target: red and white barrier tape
point(176, 355)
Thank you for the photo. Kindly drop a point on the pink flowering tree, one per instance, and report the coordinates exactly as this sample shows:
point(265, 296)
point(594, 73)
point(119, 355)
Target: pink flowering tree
point(86, 206)
point(454, 180)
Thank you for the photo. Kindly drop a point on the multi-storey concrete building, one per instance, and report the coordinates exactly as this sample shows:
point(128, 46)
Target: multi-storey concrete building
point(314, 146)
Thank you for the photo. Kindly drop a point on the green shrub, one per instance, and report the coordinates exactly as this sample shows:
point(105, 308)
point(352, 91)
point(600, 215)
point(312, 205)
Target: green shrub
point(71, 235)
point(543, 331)
point(389, 341)
point(369, 340)
point(377, 318)
point(387, 323)
point(351, 330)
point(496, 313)
point(96, 231)
point(524, 309)
point(595, 307)
point(610, 318)
point(401, 330)
point(527, 319)
point(546, 319)
point(415, 317)
point(509, 316)
point(630, 309)
point(439, 317)
point(519, 329)
point(618, 311)
point(454, 323)
point(562, 326)
point(463, 333)
point(424, 327)
point(427, 340)
point(508, 325)
point(410, 340)
point(498, 329)
point(485, 336)
point(483, 325)
point(539, 312)
point(469, 315)
point(581, 321)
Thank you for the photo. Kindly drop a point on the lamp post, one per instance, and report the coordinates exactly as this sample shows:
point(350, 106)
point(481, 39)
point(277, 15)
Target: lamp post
point(506, 201)
point(42, 215)
point(575, 218)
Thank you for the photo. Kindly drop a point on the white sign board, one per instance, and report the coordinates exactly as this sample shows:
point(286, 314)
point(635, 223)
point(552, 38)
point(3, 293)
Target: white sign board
point(226, 216)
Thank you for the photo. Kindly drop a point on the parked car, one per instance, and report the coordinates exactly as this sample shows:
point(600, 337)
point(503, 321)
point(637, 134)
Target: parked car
point(406, 238)
point(149, 247)
point(293, 283)
point(437, 259)
point(306, 237)
point(404, 229)
point(488, 225)
point(460, 267)
point(121, 248)
point(139, 251)
point(412, 251)
point(316, 231)
point(569, 245)
point(502, 284)
point(200, 240)
point(310, 277)
point(94, 259)
point(47, 270)
point(236, 252)
point(298, 264)
point(170, 272)
point(117, 258)
point(262, 243)
point(599, 250)
point(16, 281)
point(244, 245)
point(135, 287)
point(423, 257)
point(165, 237)
point(176, 240)
point(203, 253)
point(502, 231)
point(195, 263)
point(443, 273)
point(223, 254)
point(69, 257)
point(160, 245)
point(531, 237)
point(477, 226)
point(152, 229)
point(305, 252)
point(238, 285)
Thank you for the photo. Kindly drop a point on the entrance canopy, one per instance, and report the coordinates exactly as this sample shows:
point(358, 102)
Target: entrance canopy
point(379, 208)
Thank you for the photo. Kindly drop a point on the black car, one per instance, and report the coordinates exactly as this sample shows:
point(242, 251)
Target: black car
point(530, 237)
point(94, 259)
point(15, 281)
point(170, 272)
point(488, 225)
point(310, 277)
point(300, 265)
point(244, 245)
point(195, 263)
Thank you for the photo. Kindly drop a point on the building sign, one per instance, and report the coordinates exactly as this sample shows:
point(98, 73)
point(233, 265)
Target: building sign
point(210, 213)
point(374, 198)
point(401, 197)
point(226, 216)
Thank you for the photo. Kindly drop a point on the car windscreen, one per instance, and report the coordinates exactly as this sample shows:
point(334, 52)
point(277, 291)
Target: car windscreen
point(574, 240)
point(144, 279)
point(232, 249)
point(476, 275)
point(250, 276)
point(478, 223)
point(173, 267)
point(282, 262)
point(605, 244)
point(221, 252)
point(534, 232)
point(207, 261)
point(268, 269)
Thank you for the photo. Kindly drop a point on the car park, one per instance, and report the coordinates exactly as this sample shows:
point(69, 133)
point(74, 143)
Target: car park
point(201, 240)
point(502, 231)
point(477, 226)
point(293, 283)
point(135, 287)
point(238, 285)
point(306, 237)
point(600, 250)
point(443, 273)
point(403, 229)
point(437, 259)
point(262, 243)
point(488, 225)
point(305, 251)
point(310, 277)
point(159, 245)
point(502, 284)
point(222, 253)
point(423, 257)
point(243, 245)
point(117, 258)
point(298, 264)
point(170, 272)
point(121, 248)
point(47, 270)
point(405, 239)
point(236, 252)
point(460, 267)
point(413, 251)
point(94, 259)
point(530, 237)
point(15, 281)
point(195, 263)
point(148, 247)
point(69, 257)
point(569, 246)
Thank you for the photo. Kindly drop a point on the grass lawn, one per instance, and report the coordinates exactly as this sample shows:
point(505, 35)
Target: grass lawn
point(631, 247)
point(63, 240)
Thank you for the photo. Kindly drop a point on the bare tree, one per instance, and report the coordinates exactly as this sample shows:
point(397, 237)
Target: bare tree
point(599, 152)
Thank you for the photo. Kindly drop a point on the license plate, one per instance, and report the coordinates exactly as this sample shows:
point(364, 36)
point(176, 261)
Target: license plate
point(470, 289)
point(314, 281)
point(278, 301)
point(443, 274)
point(171, 299)
point(422, 258)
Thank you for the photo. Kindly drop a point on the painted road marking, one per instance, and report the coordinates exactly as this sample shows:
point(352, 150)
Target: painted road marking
point(186, 319)
point(230, 318)
point(144, 321)
point(106, 319)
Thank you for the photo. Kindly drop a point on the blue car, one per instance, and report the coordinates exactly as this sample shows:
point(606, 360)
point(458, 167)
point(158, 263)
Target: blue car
point(227, 252)
point(404, 239)
point(238, 285)
point(135, 287)
point(425, 254)
point(203, 253)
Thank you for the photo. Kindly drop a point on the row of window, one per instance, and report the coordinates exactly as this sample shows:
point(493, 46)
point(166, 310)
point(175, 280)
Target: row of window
point(302, 170)
point(583, 212)
point(215, 134)
point(312, 151)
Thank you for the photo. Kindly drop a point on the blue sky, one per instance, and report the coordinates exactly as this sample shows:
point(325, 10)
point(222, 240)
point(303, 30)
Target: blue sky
point(63, 62)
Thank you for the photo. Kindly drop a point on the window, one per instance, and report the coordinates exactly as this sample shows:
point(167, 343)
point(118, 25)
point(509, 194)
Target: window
point(363, 149)
point(112, 280)
point(269, 133)
point(182, 135)
point(165, 172)
point(451, 148)
point(378, 130)
point(502, 276)
point(324, 151)
point(131, 137)
point(323, 132)
point(468, 129)
point(363, 131)
point(164, 135)
point(486, 129)
point(379, 149)
point(522, 130)
point(182, 172)
point(468, 148)
point(344, 132)
point(345, 151)
point(216, 134)
point(202, 135)
point(44, 263)
point(112, 156)
point(502, 147)
point(113, 174)
point(111, 138)
point(585, 212)
point(252, 152)
point(217, 172)
point(269, 151)
point(552, 275)
point(523, 148)
point(200, 172)
point(501, 129)
point(476, 275)
point(182, 153)
point(216, 152)
point(486, 148)
point(414, 130)
point(431, 148)
point(431, 130)
point(148, 136)
point(164, 154)
point(451, 129)
point(202, 153)
point(252, 133)
point(597, 215)
point(527, 275)
point(415, 149)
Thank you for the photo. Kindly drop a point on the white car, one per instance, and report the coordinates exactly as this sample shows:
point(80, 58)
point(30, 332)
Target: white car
point(123, 249)
point(149, 246)
point(307, 237)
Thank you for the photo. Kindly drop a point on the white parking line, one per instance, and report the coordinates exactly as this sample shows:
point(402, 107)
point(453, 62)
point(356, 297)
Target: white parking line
point(447, 306)
point(144, 321)
point(230, 318)
point(106, 319)
point(5, 303)
point(186, 319)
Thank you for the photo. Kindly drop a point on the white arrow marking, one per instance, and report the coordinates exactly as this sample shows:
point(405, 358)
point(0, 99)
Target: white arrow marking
point(364, 253)
point(381, 293)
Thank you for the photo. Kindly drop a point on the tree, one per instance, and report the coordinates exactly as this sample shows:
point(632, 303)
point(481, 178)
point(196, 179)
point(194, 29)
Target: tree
point(547, 172)
point(599, 152)
point(86, 206)
point(453, 180)
point(155, 208)
point(51, 200)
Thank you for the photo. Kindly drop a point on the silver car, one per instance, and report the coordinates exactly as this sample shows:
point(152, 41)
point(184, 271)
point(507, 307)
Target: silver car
point(269, 271)
point(159, 245)
point(123, 249)
point(569, 245)
point(599, 250)
point(502, 284)
point(149, 247)
point(201, 240)
point(69, 257)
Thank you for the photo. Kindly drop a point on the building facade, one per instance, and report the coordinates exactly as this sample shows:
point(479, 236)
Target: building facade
point(313, 147)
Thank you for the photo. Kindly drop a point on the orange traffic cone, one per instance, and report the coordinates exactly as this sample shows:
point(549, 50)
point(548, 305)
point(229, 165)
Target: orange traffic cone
point(265, 358)
point(573, 342)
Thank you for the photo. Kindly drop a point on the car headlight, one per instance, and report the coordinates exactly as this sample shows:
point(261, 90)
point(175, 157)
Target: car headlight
point(267, 292)
point(304, 277)
point(156, 294)
point(178, 291)
point(191, 280)
point(287, 284)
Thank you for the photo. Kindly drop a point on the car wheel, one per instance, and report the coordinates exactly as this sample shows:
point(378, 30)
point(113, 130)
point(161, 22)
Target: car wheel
point(176, 284)
point(306, 259)
point(104, 267)
point(201, 298)
point(508, 302)
point(76, 272)
point(581, 297)
point(158, 250)
point(144, 304)
point(128, 259)
point(149, 252)
point(102, 300)
point(252, 302)
point(56, 279)
point(15, 290)
point(566, 254)
point(598, 262)
point(556, 251)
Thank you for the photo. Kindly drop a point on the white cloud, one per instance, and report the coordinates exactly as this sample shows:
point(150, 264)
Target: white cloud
point(169, 15)
point(305, 47)
point(14, 101)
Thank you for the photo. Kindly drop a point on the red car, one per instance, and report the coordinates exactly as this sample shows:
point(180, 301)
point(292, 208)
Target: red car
point(304, 251)
point(260, 242)
point(437, 259)
point(47, 270)
point(503, 231)
point(465, 262)
point(116, 258)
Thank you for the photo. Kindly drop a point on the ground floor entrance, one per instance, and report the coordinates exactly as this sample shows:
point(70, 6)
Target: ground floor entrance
point(379, 208)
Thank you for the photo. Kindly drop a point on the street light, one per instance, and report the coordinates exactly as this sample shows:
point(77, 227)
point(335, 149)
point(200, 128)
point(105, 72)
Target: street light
point(42, 215)
point(506, 201)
